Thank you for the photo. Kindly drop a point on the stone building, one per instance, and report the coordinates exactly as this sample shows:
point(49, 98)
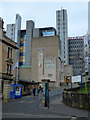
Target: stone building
point(7, 61)
point(46, 60)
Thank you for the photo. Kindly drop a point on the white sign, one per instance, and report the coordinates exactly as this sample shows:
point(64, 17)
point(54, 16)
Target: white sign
point(76, 78)
point(18, 89)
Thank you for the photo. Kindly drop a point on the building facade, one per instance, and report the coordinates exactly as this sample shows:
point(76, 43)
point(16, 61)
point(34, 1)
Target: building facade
point(48, 31)
point(46, 60)
point(29, 34)
point(68, 73)
point(86, 55)
point(62, 31)
point(76, 54)
point(7, 61)
point(11, 31)
point(86, 52)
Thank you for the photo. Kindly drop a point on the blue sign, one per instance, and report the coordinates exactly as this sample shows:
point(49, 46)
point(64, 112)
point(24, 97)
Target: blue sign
point(16, 91)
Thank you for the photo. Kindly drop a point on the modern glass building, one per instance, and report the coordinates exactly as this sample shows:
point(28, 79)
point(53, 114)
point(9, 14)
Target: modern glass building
point(76, 54)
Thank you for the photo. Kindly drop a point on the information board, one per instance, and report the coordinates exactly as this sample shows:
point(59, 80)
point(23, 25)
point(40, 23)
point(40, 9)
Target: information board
point(76, 78)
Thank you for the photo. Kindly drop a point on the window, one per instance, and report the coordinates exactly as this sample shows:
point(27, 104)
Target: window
point(49, 75)
point(58, 28)
point(8, 70)
point(9, 55)
point(48, 33)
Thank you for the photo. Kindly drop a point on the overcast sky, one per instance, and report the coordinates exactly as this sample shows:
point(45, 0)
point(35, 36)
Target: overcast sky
point(44, 14)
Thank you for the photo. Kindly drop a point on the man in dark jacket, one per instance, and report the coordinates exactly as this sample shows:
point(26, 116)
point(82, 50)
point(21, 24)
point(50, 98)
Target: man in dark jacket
point(34, 91)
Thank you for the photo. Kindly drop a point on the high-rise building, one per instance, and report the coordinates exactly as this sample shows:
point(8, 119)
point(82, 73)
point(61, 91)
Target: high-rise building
point(17, 29)
point(11, 31)
point(76, 54)
point(25, 56)
point(62, 31)
point(29, 34)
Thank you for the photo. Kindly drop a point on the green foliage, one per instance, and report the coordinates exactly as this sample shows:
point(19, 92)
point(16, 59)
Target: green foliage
point(84, 90)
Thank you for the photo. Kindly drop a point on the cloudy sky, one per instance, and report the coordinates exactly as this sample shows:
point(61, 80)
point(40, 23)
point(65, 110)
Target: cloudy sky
point(44, 14)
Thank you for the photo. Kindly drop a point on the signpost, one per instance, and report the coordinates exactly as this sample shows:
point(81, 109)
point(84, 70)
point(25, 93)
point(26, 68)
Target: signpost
point(81, 83)
point(47, 95)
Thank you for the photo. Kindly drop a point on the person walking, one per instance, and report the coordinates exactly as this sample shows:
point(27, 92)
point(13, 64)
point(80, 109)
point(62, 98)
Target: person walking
point(34, 91)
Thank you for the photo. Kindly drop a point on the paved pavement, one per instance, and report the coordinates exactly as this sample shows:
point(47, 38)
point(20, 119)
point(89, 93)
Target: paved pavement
point(32, 107)
point(57, 106)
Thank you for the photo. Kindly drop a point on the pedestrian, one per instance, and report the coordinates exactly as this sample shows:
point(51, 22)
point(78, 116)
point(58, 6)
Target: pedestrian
point(34, 91)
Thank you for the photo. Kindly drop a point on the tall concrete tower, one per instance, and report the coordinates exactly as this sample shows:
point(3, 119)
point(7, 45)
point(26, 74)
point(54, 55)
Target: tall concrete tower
point(62, 31)
point(29, 34)
point(17, 29)
point(13, 30)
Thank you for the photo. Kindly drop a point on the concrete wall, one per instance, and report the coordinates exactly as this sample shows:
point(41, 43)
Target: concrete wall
point(29, 34)
point(77, 100)
point(25, 74)
point(50, 46)
point(68, 70)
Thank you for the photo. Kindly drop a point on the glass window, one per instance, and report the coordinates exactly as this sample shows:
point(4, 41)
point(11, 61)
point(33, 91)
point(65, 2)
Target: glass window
point(8, 69)
point(49, 75)
point(9, 54)
point(48, 33)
